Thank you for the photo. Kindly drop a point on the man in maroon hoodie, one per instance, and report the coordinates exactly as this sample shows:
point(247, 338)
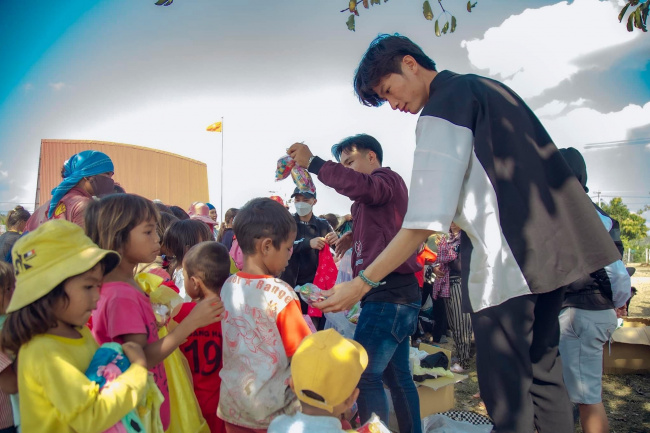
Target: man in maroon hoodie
point(390, 310)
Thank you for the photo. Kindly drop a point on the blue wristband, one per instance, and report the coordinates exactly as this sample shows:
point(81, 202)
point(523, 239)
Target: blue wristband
point(369, 282)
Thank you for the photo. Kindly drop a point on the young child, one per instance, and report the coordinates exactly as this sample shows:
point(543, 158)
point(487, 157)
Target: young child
point(263, 325)
point(126, 223)
point(178, 239)
point(8, 377)
point(58, 275)
point(206, 267)
point(325, 371)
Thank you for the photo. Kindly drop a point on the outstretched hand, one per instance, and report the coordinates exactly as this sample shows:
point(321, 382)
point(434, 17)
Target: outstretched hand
point(343, 296)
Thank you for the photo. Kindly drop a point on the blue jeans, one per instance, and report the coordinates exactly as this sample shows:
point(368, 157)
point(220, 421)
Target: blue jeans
point(383, 330)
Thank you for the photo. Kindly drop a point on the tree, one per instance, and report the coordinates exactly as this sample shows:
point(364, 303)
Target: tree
point(637, 18)
point(633, 225)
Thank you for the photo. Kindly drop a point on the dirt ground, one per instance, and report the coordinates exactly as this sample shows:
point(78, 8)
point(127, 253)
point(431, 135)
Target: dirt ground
point(626, 397)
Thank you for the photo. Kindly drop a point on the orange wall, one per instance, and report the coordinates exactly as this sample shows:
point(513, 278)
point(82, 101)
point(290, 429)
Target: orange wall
point(151, 173)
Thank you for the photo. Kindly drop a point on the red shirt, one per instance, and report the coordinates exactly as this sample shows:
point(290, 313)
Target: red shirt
point(203, 352)
point(424, 256)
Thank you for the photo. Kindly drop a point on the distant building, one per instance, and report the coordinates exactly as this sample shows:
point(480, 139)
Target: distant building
point(154, 174)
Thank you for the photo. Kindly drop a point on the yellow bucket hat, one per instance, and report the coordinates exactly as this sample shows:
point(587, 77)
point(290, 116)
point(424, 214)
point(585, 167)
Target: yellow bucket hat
point(47, 256)
point(329, 365)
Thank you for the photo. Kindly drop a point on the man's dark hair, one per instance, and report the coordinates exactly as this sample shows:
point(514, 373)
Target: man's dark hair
point(209, 261)
point(383, 57)
point(179, 213)
point(361, 142)
point(262, 218)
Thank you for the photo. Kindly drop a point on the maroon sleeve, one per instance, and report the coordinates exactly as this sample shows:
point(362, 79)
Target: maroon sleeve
point(371, 189)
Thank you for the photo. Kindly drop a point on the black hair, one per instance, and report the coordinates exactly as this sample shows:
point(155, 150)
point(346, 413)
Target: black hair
point(166, 219)
point(332, 219)
point(179, 213)
point(182, 235)
point(209, 261)
point(16, 216)
point(361, 142)
point(383, 57)
point(33, 319)
point(262, 218)
point(162, 208)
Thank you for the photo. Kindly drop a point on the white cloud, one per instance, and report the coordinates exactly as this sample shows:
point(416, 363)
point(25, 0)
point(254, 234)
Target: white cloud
point(57, 86)
point(585, 125)
point(553, 108)
point(539, 48)
point(578, 102)
point(4, 173)
point(27, 87)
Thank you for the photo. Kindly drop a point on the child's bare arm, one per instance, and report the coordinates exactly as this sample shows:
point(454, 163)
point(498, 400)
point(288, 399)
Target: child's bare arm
point(205, 313)
point(9, 380)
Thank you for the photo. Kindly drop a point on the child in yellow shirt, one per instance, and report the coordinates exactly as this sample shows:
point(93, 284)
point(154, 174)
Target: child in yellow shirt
point(58, 275)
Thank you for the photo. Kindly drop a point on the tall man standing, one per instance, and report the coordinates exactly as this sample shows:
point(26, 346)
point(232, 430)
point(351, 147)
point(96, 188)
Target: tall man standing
point(484, 161)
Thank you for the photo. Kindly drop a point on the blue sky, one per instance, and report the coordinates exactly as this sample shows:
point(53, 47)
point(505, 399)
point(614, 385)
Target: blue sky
point(279, 72)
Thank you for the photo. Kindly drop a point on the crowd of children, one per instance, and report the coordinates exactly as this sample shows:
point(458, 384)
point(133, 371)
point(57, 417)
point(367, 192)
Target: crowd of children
point(243, 335)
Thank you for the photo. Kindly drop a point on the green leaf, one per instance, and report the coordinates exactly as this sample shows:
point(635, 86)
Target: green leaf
point(445, 28)
point(622, 14)
point(469, 6)
point(437, 28)
point(160, 2)
point(637, 18)
point(453, 24)
point(426, 10)
point(350, 23)
point(630, 21)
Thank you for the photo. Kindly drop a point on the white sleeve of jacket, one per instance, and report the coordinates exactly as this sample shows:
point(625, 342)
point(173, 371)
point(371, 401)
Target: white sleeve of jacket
point(620, 281)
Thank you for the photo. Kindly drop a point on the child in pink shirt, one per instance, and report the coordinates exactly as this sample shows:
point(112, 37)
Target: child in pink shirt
point(126, 223)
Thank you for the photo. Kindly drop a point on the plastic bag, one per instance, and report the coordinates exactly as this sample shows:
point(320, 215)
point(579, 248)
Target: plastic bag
point(373, 425)
point(285, 164)
point(310, 293)
point(185, 413)
point(325, 277)
point(302, 179)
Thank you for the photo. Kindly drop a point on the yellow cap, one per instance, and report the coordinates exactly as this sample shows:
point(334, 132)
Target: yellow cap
point(329, 365)
point(49, 255)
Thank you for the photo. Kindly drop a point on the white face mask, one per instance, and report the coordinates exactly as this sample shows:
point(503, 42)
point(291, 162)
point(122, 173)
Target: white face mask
point(302, 208)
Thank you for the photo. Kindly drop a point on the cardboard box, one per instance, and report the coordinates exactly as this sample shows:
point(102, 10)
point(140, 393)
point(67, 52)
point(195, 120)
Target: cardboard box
point(630, 348)
point(436, 395)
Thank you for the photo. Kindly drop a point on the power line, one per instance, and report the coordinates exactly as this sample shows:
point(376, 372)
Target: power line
point(631, 142)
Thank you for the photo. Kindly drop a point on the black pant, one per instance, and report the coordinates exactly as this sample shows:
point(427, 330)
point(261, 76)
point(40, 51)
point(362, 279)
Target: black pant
point(440, 324)
point(518, 365)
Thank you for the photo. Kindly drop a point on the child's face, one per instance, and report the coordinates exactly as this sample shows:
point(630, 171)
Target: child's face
point(143, 245)
point(83, 294)
point(276, 260)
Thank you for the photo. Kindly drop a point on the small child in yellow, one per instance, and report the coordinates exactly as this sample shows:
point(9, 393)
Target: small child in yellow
point(58, 275)
point(325, 371)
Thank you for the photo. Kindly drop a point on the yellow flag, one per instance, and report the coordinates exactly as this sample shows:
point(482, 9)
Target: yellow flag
point(215, 127)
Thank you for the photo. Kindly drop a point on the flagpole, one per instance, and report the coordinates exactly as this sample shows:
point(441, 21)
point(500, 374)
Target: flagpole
point(221, 195)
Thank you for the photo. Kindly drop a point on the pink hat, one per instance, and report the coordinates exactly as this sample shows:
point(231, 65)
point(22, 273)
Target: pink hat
point(205, 219)
point(198, 208)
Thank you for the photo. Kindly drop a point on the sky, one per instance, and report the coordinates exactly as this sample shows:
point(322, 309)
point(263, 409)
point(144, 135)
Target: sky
point(280, 72)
